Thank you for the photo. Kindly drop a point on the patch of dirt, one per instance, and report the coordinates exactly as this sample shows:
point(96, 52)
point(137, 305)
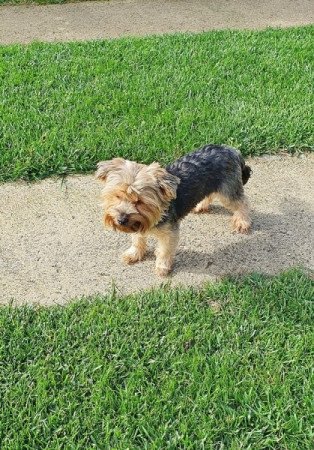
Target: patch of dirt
point(54, 248)
point(116, 18)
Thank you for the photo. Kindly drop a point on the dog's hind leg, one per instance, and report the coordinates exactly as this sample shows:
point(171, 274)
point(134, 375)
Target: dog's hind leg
point(203, 206)
point(137, 250)
point(241, 221)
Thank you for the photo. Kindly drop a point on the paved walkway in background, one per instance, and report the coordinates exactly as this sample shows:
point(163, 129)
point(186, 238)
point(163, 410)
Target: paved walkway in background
point(97, 20)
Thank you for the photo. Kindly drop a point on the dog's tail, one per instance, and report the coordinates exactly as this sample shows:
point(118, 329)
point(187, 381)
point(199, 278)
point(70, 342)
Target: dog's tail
point(246, 173)
point(246, 170)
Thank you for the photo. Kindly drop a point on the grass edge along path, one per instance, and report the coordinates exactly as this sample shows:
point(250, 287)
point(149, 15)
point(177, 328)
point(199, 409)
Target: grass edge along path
point(228, 366)
point(66, 106)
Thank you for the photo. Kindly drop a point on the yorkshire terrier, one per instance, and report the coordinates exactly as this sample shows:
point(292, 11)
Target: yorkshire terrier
point(150, 200)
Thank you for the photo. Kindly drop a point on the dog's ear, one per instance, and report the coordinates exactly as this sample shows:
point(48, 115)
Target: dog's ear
point(168, 186)
point(105, 167)
point(167, 183)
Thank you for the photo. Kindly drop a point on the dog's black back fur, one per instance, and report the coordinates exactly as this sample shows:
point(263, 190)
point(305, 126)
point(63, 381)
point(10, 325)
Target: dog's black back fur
point(210, 169)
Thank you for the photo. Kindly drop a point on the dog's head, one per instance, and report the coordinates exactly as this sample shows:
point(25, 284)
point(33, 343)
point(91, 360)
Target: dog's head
point(135, 195)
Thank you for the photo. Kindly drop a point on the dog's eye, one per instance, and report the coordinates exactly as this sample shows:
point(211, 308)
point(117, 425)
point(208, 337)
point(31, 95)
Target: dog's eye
point(119, 196)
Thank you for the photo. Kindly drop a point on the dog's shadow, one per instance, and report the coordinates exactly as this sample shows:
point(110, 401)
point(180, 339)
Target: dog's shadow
point(277, 242)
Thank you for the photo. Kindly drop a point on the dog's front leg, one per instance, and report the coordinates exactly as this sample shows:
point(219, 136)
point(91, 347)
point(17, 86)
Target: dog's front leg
point(167, 242)
point(137, 250)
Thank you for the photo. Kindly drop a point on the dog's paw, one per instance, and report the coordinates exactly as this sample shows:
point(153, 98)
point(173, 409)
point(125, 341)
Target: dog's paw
point(163, 267)
point(162, 271)
point(203, 207)
point(200, 210)
point(241, 226)
point(132, 256)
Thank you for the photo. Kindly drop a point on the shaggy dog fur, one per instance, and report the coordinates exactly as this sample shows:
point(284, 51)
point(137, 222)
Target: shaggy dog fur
point(151, 200)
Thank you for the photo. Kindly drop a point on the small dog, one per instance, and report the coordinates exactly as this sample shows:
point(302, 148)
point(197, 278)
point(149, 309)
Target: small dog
point(150, 200)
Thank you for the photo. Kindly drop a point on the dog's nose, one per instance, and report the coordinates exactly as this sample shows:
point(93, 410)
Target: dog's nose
point(123, 219)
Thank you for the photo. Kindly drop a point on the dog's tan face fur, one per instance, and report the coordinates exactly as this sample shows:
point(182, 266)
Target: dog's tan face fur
point(135, 195)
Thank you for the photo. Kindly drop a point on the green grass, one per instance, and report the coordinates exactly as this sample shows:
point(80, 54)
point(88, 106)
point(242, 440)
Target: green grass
point(163, 369)
point(66, 106)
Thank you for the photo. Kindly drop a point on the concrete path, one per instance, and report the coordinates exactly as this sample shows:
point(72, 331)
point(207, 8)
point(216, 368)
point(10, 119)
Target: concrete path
point(53, 246)
point(116, 18)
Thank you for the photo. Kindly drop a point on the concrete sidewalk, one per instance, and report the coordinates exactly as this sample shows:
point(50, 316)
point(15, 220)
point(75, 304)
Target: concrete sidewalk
point(53, 246)
point(116, 18)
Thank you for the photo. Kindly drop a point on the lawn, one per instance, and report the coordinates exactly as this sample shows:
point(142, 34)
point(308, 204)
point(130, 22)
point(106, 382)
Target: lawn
point(65, 106)
point(226, 367)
